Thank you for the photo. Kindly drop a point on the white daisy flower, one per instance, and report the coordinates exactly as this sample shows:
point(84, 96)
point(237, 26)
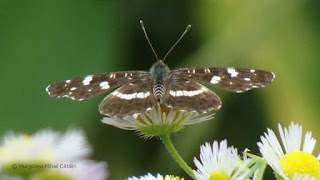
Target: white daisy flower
point(219, 162)
point(44, 146)
point(157, 121)
point(296, 159)
point(24, 155)
point(158, 177)
point(80, 170)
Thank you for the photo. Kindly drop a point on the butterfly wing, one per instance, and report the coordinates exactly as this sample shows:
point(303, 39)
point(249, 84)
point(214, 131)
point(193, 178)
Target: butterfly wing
point(185, 94)
point(89, 86)
point(227, 78)
point(131, 99)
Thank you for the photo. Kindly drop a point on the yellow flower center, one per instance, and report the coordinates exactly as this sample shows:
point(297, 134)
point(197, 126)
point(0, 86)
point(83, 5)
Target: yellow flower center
point(25, 138)
point(217, 176)
point(301, 163)
point(171, 177)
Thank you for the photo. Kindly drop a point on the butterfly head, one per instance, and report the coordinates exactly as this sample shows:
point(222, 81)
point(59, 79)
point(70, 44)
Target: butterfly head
point(159, 70)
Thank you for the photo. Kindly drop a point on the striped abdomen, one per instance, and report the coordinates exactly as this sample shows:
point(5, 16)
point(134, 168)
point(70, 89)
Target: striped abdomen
point(159, 88)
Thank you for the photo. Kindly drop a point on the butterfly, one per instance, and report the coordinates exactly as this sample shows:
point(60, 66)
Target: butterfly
point(139, 91)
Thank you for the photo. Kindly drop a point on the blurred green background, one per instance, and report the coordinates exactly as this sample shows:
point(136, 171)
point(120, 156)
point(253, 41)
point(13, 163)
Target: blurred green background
point(42, 42)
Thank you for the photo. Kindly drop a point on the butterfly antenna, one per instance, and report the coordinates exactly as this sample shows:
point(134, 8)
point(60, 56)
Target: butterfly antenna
point(146, 35)
point(185, 31)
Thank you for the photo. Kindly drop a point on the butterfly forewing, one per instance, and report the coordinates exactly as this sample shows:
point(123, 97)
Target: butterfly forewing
point(184, 94)
point(228, 78)
point(132, 98)
point(89, 86)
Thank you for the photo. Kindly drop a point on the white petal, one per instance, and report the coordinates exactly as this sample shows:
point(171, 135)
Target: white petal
point(309, 143)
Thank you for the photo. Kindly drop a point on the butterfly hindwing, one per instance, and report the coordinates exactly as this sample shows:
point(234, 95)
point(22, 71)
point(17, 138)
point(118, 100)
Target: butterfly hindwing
point(132, 98)
point(228, 78)
point(89, 86)
point(185, 94)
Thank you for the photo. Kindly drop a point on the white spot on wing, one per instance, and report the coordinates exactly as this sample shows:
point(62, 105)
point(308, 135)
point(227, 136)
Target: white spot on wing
point(47, 89)
point(87, 80)
point(73, 88)
point(140, 95)
point(146, 94)
point(252, 70)
point(200, 91)
point(204, 89)
point(68, 81)
point(215, 80)
point(172, 93)
point(185, 93)
point(104, 85)
point(247, 79)
point(131, 96)
point(232, 72)
point(115, 93)
point(179, 93)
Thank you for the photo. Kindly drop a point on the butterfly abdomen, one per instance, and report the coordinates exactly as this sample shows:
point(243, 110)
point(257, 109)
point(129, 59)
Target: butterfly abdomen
point(159, 72)
point(159, 88)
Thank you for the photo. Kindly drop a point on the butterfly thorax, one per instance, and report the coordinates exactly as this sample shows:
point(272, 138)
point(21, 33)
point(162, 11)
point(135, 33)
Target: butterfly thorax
point(160, 74)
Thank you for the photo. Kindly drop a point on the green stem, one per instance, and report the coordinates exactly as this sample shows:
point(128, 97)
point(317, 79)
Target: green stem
point(174, 153)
